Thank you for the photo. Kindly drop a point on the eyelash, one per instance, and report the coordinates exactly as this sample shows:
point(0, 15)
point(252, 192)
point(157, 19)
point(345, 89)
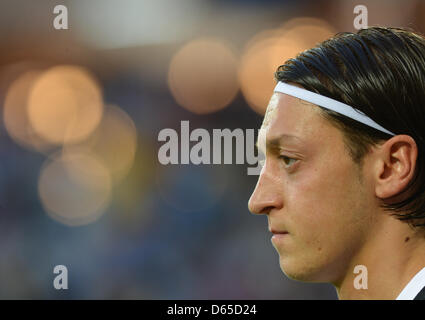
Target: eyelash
point(285, 157)
point(262, 162)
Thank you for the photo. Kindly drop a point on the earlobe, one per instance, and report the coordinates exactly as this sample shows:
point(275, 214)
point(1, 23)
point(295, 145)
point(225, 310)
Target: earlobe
point(396, 164)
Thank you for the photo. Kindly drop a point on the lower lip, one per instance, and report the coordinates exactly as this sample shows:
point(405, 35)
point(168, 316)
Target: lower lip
point(279, 236)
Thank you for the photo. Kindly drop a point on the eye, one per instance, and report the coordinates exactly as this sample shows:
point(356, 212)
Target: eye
point(287, 160)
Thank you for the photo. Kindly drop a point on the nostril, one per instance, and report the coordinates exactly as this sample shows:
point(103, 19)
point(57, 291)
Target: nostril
point(266, 209)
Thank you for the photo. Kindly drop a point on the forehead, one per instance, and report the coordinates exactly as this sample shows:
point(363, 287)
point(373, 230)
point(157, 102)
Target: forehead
point(287, 115)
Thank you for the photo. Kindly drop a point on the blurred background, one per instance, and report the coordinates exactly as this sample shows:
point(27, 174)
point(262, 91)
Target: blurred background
point(81, 109)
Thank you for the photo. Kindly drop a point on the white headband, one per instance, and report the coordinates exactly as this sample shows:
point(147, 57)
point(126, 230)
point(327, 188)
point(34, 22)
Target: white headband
point(328, 103)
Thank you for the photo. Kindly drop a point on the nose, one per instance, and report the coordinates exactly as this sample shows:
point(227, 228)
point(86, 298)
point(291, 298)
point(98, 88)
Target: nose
point(267, 194)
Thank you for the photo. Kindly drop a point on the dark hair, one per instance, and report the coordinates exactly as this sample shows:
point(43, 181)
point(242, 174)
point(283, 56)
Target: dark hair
point(381, 72)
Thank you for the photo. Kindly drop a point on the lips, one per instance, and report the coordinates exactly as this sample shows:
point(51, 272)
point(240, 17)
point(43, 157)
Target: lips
point(274, 231)
point(279, 236)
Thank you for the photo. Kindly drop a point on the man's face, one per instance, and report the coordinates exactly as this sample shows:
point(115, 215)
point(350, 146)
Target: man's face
point(310, 188)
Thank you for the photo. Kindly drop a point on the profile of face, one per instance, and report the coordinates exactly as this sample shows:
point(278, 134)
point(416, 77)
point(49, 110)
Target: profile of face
point(319, 203)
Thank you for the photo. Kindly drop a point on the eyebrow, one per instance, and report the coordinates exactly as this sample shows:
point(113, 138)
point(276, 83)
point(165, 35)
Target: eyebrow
point(275, 142)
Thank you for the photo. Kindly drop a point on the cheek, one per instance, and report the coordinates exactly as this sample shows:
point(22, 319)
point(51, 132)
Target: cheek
point(324, 203)
point(325, 218)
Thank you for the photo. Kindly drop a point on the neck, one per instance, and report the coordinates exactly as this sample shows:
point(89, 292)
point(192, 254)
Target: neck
point(392, 256)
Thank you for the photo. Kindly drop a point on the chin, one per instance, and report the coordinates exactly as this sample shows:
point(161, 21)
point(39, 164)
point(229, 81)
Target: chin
point(300, 272)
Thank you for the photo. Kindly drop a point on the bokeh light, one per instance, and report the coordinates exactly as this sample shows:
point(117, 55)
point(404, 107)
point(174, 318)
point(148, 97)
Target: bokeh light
point(269, 49)
point(203, 76)
point(114, 142)
point(305, 32)
point(15, 115)
point(133, 196)
point(65, 104)
point(74, 188)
